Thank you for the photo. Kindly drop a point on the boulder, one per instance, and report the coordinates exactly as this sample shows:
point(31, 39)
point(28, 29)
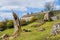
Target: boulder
point(42, 29)
point(55, 29)
point(26, 30)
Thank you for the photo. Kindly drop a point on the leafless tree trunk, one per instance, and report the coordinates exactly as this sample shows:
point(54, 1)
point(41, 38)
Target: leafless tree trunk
point(17, 26)
point(17, 29)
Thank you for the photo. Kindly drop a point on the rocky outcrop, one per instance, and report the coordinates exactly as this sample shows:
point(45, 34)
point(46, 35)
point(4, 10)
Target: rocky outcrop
point(56, 29)
point(48, 15)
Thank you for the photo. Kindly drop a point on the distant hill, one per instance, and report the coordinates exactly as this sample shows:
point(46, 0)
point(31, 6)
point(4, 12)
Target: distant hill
point(55, 12)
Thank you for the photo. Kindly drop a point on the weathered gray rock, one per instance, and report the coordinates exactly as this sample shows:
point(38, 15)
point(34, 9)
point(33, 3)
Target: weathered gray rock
point(46, 16)
point(26, 30)
point(42, 29)
point(56, 29)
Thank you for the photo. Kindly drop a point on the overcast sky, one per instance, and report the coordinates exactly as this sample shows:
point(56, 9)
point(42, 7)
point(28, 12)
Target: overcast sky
point(21, 7)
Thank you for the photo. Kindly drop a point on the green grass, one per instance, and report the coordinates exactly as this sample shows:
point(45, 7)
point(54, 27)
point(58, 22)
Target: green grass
point(34, 35)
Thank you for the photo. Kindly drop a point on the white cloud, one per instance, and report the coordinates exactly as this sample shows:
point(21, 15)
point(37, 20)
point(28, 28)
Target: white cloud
point(21, 5)
point(57, 7)
point(25, 3)
point(6, 15)
point(13, 7)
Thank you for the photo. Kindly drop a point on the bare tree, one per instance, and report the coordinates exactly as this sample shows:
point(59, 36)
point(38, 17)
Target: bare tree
point(17, 26)
point(49, 6)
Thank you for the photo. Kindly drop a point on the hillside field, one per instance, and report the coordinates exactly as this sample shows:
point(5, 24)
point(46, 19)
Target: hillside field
point(35, 35)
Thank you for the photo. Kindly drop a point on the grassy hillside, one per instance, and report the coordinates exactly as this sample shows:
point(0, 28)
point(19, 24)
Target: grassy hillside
point(35, 35)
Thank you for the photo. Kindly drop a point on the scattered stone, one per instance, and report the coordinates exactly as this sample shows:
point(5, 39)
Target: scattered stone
point(42, 29)
point(56, 29)
point(26, 30)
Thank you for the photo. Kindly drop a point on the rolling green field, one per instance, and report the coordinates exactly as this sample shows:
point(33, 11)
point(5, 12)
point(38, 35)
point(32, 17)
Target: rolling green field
point(35, 35)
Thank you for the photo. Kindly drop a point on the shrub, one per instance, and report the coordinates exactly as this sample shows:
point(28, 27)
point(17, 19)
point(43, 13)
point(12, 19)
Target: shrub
point(33, 19)
point(40, 16)
point(10, 24)
point(36, 25)
point(23, 22)
point(2, 26)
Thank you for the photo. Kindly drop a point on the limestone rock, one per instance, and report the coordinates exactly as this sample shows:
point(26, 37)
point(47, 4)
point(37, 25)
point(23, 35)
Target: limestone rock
point(26, 30)
point(42, 29)
point(48, 15)
point(56, 29)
